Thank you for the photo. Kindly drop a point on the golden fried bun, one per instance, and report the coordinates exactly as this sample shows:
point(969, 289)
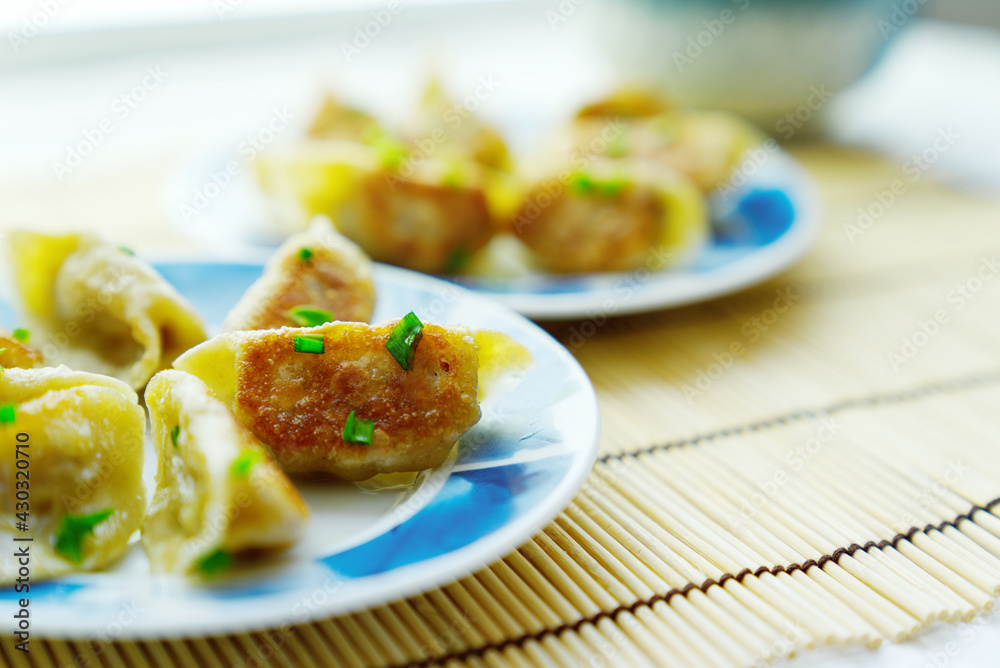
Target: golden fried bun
point(299, 403)
point(617, 216)
point(218, 492)
point(319, 270)
point(71, 456)
point(95, 307)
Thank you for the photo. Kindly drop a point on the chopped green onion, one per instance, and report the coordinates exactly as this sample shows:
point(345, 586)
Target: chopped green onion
point(392, 153)
point(174, 433)
point(457, 260)
point(8, 413)
point(305, 254)
point(580, 183)
point(612, 187)
point(244, 462)
point(127, 250)
point(214, 563)
point(309, 316)
point(309, 343)
point(358, 430)
point(72, 531)
point(21, 335)
point(403, 340)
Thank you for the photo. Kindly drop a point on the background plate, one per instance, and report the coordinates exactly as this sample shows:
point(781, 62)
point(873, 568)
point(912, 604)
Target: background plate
point(511, 474)
point(762, 224)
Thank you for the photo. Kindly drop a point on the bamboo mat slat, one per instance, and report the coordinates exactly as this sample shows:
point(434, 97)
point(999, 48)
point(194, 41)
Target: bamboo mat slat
point(809, 491)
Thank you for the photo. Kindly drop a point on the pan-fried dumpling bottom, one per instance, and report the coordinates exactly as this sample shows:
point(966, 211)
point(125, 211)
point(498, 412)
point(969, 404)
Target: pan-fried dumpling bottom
point(299, 403)
point(82, 437)
point(318, 268)
point(95, 307)
point(218, 492)
point(17, 354)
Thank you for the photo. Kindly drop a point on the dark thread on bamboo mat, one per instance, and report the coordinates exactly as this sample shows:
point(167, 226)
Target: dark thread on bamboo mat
point(632, 608)
point(902, 396)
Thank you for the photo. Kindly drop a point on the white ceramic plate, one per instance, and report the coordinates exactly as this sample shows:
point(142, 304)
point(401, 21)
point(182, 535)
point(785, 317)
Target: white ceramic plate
point(510, 475)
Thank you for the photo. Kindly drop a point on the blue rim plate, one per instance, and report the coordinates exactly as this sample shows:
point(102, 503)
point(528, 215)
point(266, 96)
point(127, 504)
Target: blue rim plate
point(509, 476)
point(761, 225)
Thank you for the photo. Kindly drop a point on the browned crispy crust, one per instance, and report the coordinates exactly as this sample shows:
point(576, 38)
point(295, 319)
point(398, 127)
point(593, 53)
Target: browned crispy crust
point(324, 281)
point(298, 403)
point(590, 232)
point(16, 355)
point(415, 224)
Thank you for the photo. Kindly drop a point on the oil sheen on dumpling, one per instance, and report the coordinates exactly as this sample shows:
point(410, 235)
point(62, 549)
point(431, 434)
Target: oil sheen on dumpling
point(95, 307)
point(298, 403)
point(218, 492)
point(82, 436)
point(316, 269)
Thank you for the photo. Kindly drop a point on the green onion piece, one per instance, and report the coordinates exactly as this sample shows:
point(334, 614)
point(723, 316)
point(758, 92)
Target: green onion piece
point(457, 260)
point(21, 335)
point(580, 183)
point(310, 316)
point(392, 153)
point(174, 433)
point(402, 342)
point(358, 430)
point(612, 187)
point(127, 250)
point(73, 529)
point(214, 563)
point(309, 343)
point(8, 413)
point(244, 462)
point(305, 254)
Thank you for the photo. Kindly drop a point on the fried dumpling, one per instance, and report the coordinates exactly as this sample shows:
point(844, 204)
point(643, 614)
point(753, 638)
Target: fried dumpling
point(315, 274)
point(423, 214)
point(95, 307)
point(618, 215)
point(304, 391)
point(705, 146)
point(218, 492)
point(71, 446)
point(16, 353)
point(444, 127)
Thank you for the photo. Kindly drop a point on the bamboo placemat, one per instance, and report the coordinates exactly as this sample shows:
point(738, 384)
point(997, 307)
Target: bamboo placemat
point(820, 482)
